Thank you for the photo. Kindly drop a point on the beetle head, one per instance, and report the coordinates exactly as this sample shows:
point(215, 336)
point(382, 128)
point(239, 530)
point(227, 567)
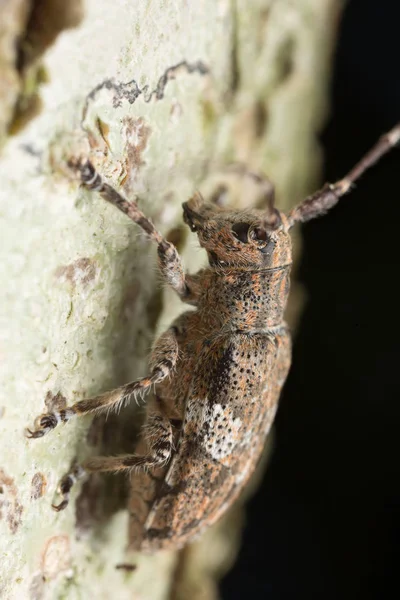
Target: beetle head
point(252, 239)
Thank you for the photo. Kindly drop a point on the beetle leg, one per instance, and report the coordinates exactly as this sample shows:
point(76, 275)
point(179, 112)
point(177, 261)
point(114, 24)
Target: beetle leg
point(162, 362)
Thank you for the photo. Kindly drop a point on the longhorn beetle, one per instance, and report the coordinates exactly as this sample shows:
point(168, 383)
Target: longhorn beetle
point(217, 371)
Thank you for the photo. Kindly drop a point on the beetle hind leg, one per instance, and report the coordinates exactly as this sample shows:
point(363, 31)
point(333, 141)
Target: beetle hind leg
point(66, 483)
point(159, 437)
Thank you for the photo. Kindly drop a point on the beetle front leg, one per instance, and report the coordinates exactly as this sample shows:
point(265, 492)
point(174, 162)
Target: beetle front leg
point(170, 262)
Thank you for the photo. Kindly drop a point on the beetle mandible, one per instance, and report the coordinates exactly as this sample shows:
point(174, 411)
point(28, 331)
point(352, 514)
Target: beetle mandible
point(217, 371)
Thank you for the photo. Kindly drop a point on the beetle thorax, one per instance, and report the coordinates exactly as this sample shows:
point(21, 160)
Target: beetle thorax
point(246, 301)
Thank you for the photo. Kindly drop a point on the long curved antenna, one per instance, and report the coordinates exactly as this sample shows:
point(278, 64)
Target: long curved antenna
point(319, 203)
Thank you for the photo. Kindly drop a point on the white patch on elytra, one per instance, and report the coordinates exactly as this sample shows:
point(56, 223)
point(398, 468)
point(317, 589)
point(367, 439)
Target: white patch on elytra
point(223, 431)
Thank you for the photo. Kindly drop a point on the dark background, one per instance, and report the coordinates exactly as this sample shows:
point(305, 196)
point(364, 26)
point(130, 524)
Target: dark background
point(325, 523)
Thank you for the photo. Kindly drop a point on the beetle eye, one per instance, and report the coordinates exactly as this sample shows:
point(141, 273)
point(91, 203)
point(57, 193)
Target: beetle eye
point(241, 231)
point(259, 236)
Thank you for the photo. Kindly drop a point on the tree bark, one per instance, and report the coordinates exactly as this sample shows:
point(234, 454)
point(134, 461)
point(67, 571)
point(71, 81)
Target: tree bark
point(162, 96)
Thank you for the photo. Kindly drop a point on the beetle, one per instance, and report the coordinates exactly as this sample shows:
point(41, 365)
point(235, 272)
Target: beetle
point(217, 372)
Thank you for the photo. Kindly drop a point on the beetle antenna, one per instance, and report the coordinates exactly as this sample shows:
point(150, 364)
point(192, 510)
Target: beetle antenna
point(320, 202)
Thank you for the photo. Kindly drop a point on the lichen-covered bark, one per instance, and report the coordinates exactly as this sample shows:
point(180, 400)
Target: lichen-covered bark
point(27, 29)
point(162, 95)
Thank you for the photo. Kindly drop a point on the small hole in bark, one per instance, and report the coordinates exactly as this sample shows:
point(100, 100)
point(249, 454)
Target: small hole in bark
point(286, 60)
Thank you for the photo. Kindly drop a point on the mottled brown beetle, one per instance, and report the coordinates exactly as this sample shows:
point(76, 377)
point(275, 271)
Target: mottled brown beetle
point(217, 371)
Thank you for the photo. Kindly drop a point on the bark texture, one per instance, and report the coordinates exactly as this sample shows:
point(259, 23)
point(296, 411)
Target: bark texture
point(162, 95)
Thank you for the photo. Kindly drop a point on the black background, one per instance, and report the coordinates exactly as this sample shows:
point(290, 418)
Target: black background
point(325, 523)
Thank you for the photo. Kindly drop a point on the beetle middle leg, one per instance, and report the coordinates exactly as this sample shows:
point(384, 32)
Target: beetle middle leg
point(162, 362)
